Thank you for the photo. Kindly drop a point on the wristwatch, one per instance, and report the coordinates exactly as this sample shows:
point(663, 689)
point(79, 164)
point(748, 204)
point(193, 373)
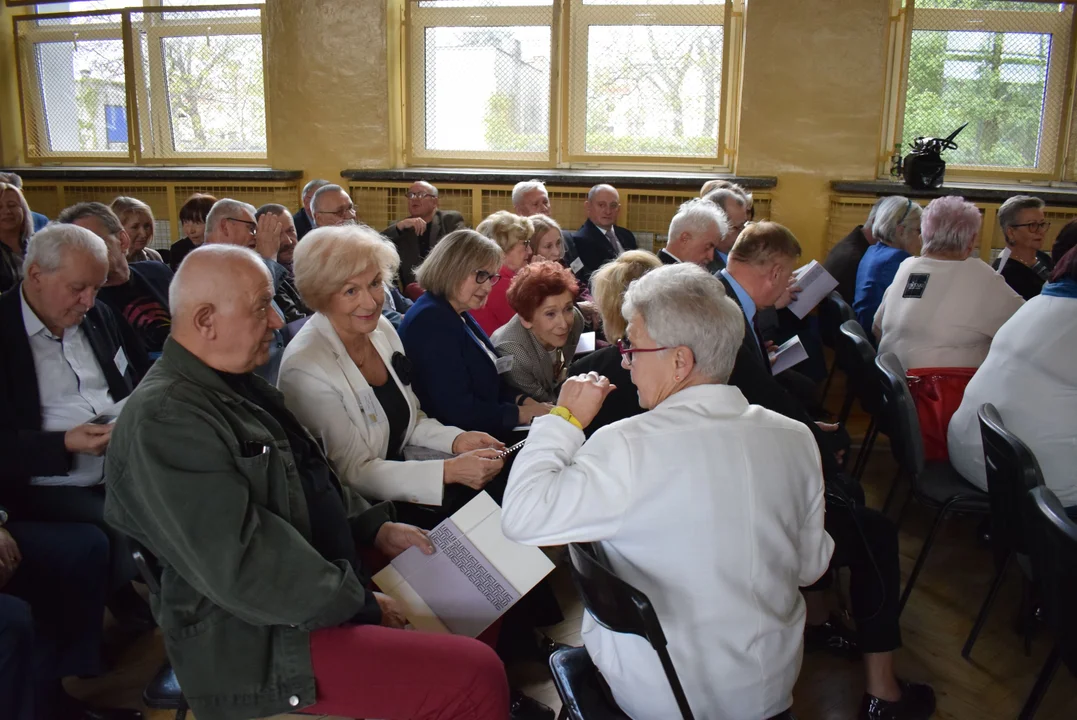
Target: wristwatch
point(565, 414)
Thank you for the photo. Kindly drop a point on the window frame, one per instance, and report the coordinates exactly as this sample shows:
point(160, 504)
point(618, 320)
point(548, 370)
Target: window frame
point(1061, 77)
point(568, 84)
point(28, 33)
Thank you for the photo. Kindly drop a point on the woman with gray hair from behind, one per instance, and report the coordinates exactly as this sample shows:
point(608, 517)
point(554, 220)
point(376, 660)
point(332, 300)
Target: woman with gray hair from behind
point(896, 230)
point(941, 312)
point(701, 486)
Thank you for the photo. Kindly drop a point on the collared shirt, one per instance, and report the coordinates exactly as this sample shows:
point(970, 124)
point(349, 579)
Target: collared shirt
point(724, 256)
point(72, 390)
point(746, 303)
point(611, 235)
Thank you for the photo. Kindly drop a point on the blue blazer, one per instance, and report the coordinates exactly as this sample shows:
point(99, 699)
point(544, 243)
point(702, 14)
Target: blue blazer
point(454, 378)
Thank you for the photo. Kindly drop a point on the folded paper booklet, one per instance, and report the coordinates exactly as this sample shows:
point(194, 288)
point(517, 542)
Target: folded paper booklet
point(815, 284)
point(788, 354)
point(474, 576)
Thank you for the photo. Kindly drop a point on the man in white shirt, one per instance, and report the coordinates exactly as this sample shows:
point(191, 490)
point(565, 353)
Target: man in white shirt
point(66, 362)
point(694, 233)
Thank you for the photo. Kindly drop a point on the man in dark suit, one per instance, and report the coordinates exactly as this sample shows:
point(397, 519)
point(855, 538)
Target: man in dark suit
point(694, 233)
point(304, 217)
point(66, 360)
point(421, 230)
point(843, 260)
point(136, 292)
point(600, 239)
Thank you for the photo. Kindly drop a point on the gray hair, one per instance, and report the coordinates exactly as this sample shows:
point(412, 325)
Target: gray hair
point(271, 209)
point(896, 211)
point(871, 213)
point(721, 196)
point(224, 208)
point(325, 190)
point(430, 186)
point(683, 304)
point(1007, 211)
point(49, 245)
point(11, 179)
point(696, 217)
point(457, 255)
point(949, 225)
point(522, 188)
point(313, 185)
point(178, 290)
point(599, 188)
point(91, 209)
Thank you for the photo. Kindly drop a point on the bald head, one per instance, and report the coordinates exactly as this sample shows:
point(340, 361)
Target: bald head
point(222, 308)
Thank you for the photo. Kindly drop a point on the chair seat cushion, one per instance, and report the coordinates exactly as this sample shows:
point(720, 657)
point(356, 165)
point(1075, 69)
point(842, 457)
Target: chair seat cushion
point(940, 481)
point(163, 692)
point(580, 686)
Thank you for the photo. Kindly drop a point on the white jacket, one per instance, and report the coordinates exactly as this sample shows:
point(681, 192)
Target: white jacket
point(325, 390)
point(714, 509)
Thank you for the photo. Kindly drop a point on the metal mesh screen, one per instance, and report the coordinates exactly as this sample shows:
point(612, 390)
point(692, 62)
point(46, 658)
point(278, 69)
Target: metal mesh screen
point(198, 89)
point(646, 83)
point(479, 74)
point(1000, 66)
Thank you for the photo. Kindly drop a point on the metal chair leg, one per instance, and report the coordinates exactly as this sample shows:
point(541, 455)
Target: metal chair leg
point(981, 618)
point(922, 558)
point(1043, 681)
point(890, 497)
point(846, 406)
point(865, 450)
point(1028, 614)
point(829, 379)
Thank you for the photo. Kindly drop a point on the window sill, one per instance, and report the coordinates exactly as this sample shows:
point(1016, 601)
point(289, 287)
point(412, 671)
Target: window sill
point(571, 178)
point(983, 192)
point(61, 174)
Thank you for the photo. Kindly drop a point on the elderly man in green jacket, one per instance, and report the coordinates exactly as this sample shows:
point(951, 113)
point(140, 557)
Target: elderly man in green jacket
point(263, 600)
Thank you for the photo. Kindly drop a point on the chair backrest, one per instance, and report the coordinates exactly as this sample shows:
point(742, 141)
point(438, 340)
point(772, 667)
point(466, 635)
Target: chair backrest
point(899, 412)
point(858, 360)
point(1053, 550)
point(147, 565)
point(621, 608)
point(1012, 471)
point(833, 312)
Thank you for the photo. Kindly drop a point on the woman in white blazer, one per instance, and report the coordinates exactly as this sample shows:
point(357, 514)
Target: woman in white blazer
point(709, 505)
point(345, 377)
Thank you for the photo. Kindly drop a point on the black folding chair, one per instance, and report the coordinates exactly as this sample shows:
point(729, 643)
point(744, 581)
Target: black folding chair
point(1012, 471)
point(833, 312)
point(1053, 549)
point(621, 608)
point(934, 484)
point(858, 354)
point(163, 692)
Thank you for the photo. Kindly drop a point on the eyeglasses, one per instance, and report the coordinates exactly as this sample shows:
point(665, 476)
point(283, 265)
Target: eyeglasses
point(627, 351)
point(252, 227)
point(418, 196)
point(340, 212)
point(1040, 226)
point(481, 276)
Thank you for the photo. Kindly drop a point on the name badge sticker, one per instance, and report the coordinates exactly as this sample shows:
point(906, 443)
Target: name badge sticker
point(576, 266)
point(504, 364)
point(370, 406)
point(916, 285)
point(120, 361)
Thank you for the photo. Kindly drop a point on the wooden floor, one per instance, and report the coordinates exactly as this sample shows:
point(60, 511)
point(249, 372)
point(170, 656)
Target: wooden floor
point(935, 623)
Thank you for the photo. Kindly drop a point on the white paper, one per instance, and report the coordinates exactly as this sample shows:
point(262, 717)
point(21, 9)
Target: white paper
point(586, 343)
point(476, 575)
point(788, 354)
point(576, 266)
point(815, 284)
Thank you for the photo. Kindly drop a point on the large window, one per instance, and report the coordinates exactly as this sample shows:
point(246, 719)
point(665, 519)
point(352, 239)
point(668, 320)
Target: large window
point(119, 83)
point(1000, 65)
point(586, 81)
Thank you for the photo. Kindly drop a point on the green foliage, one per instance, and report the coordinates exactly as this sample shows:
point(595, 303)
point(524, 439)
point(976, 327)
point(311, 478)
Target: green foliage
point(502, 133)
point(1007, 5)
point(627, 145)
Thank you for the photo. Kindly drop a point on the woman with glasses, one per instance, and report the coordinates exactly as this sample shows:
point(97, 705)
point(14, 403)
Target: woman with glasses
point(608, 286)
point(1023, 263)
point(896, 230)
point(543, 334)
point(940, 314)
point(512, 234)
point(456, 371)
point(702, 486)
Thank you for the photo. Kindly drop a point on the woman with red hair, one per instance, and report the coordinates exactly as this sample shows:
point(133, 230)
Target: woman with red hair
point(542, 336)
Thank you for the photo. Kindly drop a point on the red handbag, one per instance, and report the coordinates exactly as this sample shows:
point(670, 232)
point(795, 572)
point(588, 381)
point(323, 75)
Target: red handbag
point(937, 393)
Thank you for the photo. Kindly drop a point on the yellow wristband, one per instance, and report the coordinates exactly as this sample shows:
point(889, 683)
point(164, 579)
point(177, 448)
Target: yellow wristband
point(566, 414)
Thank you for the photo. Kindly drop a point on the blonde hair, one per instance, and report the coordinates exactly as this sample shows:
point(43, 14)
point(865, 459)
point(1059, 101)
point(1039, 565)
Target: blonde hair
point(542, 224)
point(457, 255)
point(125, 207)
point(609, 283)
point(27, 218)
point(507, 229)
point(329, 256)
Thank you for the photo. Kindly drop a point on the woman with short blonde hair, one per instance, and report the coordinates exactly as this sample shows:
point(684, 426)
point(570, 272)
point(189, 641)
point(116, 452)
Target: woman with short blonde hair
point(546, 241)
point(346, 379)
point(137, 219)
point(511, 233)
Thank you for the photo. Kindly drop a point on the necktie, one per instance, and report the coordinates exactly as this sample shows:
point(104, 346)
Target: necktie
point(612, 237)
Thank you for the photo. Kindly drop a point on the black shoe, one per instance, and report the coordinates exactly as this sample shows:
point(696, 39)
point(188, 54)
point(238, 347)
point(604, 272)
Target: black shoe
point(832, 636)
point(522, 707)
point(917, 703)
point(548, 646)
